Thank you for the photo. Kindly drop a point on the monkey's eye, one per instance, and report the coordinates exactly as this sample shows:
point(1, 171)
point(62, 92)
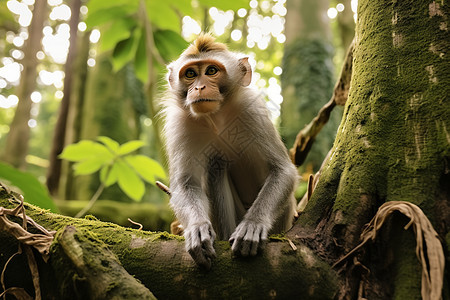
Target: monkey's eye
point(190, 73)
point(211, 70)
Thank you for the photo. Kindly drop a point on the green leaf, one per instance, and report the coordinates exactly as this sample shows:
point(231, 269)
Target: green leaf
point(169, 44)
point(97, 5)
point(129, 181)
point(85, 150)
point(112, 175)
point(163, 15)
point(182, 6)
point(146, 167)
point(226, 5)
point(129, 147)
point(109, 14)
point(125, 50)
point(117, 31)
point(141, 59)
point(89, 166)
point(33, 191)
point(111, 144)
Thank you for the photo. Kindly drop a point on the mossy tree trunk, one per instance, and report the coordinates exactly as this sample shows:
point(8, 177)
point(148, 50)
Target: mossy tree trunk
point(393, 144)
point(307, 78)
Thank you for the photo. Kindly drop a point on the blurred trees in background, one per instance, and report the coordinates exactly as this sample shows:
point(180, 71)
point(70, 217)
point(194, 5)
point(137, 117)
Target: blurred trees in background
point(73, 70)
point(307, 78)
point(16, 147)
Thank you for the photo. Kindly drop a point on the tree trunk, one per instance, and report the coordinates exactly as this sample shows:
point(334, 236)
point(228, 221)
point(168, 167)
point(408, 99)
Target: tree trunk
point(67, 189)
point(16, 147)
point(393, 144)
point(59, 137)
point(307, 78)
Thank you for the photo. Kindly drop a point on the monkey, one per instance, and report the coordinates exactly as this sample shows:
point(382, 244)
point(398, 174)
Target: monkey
point(230, 174)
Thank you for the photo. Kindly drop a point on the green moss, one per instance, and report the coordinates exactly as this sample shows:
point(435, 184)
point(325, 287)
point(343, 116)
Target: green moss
point(280, 237)
point(164, 235)
point(91, 217)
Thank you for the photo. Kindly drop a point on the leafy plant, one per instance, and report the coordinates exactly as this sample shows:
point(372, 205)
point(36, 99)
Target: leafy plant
point(116, 164)
point(139, 30)
point(33, 191)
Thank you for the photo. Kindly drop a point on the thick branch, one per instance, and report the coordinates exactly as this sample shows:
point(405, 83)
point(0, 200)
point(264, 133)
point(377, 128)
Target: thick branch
point(161, 263)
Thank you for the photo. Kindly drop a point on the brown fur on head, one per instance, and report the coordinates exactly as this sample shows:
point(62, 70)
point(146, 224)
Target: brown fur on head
point(204, 43)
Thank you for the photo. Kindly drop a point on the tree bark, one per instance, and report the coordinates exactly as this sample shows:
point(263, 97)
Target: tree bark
point(392, 144)
point(59, 137)
point(160, 262)
point(16, 147)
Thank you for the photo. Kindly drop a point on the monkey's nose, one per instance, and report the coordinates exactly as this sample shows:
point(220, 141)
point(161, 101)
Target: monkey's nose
point(200, 87)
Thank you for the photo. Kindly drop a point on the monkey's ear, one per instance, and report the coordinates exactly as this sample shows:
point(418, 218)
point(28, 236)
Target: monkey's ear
point(246, 71)
point(170, 75)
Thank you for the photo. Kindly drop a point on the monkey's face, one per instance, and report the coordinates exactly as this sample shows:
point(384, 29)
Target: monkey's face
point(203, 83)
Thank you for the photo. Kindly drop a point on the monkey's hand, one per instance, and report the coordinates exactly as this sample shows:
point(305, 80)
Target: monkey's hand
point(199, 243)
point(248, 237)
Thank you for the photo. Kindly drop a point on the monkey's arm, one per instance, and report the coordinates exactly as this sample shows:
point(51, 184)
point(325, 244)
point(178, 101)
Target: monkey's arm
point(192, 208)
point(272, 201)
point(275, 197)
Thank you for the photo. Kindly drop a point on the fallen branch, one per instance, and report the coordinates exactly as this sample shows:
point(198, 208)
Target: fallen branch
point(305, 138)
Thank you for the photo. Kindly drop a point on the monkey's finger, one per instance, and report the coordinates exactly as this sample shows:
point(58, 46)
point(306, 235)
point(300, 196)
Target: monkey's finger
point(263, 237)
point(199, 258)
point(256, 242)
point(236, 239)
point(236, 244)
point(249, 239)
point(207, 246)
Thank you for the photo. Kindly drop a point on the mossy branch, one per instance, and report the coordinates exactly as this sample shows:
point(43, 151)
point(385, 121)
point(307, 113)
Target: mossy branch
point(161, 263)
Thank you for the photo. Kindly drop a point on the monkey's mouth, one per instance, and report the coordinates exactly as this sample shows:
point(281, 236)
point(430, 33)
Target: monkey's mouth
point(203, 100)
